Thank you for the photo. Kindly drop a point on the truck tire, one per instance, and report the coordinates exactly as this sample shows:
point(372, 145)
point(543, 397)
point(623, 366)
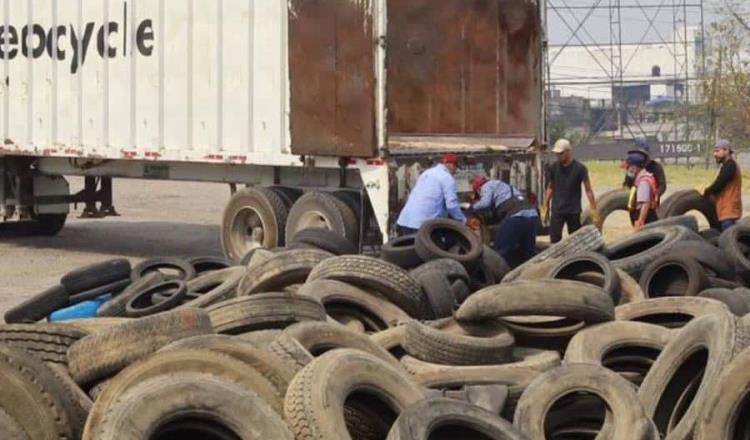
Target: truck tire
point(608, 203)
point(394, 283)
point(317, 395)
point(443, 238)
point(96, 275)
point(254, 217)
point(280, 271)
point(164, 406)
point(434, 418)
point(264, 311)
point(673, 275)
point(726, 402)
point(670, 312)
point(447, 342)
point(700, 351)
point(38, 306)
point(581, 267)
point(48, 224)
point(288, 194)
point(634, 253)
point(326, 240)
point(627, 418)
point(48, 342)
point(322, 210)
point(401, 251)
point(103, 354)
point(684, 201)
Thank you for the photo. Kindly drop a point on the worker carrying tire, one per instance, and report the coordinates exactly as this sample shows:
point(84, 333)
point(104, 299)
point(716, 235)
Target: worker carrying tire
point(652, 166)
point(644, 195)
point(434, 196)
point(726, 190)
point(502, 204)
point(562, 200)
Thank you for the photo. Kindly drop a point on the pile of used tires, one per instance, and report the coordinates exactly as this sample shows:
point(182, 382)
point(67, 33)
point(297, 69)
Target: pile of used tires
point(436, 339)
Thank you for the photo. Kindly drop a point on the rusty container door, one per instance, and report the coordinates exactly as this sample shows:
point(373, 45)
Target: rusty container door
point(332, 65)
point(469, 67)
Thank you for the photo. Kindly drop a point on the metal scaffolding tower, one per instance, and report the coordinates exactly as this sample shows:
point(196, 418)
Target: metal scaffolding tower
point(676, 27)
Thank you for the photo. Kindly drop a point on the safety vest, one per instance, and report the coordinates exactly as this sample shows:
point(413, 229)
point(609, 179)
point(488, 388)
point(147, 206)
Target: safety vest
point(644, 176)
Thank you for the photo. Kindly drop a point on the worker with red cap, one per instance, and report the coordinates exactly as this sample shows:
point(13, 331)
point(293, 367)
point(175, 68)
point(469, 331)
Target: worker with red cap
point(434, 196)
point(503, 204)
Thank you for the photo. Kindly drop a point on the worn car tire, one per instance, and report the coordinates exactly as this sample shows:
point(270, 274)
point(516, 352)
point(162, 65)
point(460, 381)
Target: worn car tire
point(96, 275)
point(214, 286)
point(716, 262)
point(38, 306)
point(682, 202)
point(264, 311)
point(627, 417)
point(607, 204)
point(202, 265)
point(144, 303)
point(447, 342)
point(103, 354)
point(580, 267)
point(634, 253)
point(673, 275)
point(432, 418)
point(703, 348)
point(736, 302)
point(735, 242)
point(394, 283)
point(685, 220)
point(436, 278)
point(317, 209)
point(185, 271)
point(48, 342)
point(280, 271)
point(316, 398)
point(116, 306)
point(10, 429)
point(630, 289)
point(261, 210)
point(165, 405)
point(469, 245)
point(670, 312)
point(326, 240)
point(494, 264)
point(726, 402)
point(402, 252)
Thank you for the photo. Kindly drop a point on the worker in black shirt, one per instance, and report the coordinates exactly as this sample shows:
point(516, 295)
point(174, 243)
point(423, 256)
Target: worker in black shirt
point(562, 201)
point(652, 166)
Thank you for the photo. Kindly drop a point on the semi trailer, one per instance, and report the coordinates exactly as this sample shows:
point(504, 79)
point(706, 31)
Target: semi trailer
point(317, 113)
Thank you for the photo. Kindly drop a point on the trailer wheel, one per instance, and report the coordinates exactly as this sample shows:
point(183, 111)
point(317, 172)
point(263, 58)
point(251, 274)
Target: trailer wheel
point(253, 218)
point(49, 224)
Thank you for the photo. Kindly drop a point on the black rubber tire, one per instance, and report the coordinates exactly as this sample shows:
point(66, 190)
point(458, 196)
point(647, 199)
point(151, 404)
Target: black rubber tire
point(588, 238)
point(269, 213)
point(281, 270)
point(722, 418)
point(397, 285)
point(215, 286)
point(10, 429)
point(113, 289)
point(116, 306)
point(326, 240)
point(627, 418)
point(735, 302)
point(316, 397)
point(143, 304)
point(716, 262)
point(667, 202)
point(673, 275)
point(331, 211)
point(456, 234)
point(38, 306)
point(735, 242)
point(670, 312)
point(579, 267)
point(494, 264)
point(264, 311)
point(682, 202)
point(607, 203)
point(700, 351)
point(103, 354)
point(685, 220)
point(96, 275)
point(288, 194)
point(186, 270)
point(710, 234)
point(634, 253)
point(208, 264)
point(449, 343)
point(449, 418)
point(48, 224)
point(436, 278)
point(165, 406)
point(402, 252)
point(48, 342)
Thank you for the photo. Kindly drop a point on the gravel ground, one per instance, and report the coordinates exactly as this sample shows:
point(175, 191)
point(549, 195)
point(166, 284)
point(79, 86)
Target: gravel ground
point(158, 219)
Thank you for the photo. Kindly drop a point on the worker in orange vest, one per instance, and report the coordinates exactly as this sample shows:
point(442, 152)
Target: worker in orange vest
point(727, 188)
point(644, 195)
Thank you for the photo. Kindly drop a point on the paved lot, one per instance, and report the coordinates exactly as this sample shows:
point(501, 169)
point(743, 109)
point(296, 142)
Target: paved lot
point(158, 219)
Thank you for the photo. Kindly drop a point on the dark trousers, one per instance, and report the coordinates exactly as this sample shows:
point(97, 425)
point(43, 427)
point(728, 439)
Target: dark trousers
point(650, 218)
point(403, 230)
point(557, 222)
point(515, 240)
point(726, 224)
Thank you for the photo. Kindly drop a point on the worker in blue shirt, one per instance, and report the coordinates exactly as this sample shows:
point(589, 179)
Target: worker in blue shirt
point(434, 196)
point(501, 203)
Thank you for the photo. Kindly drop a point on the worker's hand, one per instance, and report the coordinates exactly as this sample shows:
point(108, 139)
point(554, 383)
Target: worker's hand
point(596, 218)
point(638, 226)
point(474, 223)
point(545, 215)
point(701, 190)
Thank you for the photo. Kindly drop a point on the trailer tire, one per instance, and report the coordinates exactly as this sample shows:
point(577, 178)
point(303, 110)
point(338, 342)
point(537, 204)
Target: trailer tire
point(322, 210)
point(103, 354)
point(326, 240)
point(38, 306)
point(256, 213)
point(48, 224)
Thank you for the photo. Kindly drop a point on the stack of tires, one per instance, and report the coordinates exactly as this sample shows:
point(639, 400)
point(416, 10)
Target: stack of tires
point(645, 338)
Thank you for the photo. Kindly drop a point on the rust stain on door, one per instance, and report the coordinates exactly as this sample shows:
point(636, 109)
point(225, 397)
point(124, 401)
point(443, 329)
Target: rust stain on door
point(464, 67)
point(332, 64)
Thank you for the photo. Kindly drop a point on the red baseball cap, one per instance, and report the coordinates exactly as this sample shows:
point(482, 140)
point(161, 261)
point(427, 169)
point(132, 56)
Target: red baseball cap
point(450, 158)
point(478, 183)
